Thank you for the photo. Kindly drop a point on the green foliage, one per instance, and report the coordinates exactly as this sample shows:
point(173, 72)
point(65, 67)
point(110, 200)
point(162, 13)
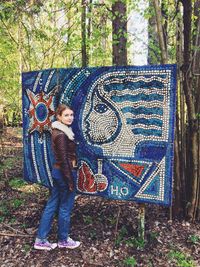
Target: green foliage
point(26, 248)
point(131, 261)
point(7, 164)
point(17, 202)
point(9, 70)
point(48, 34)
point(180, 259)
point(112, 220)
point(12, 220)
point(149, 12)
point(121, 234)
point(9, 206)
point(153, 236)
point(87, 219)
point(93, 234)
point(4, 211)
point(138, 243)
point(194, 239)
point(17, 183)
point(24, 225)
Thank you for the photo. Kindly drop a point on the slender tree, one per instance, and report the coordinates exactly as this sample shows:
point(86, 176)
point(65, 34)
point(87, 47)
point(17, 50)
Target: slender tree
point(192, 155)
point(160, 31)
point(84, 35)
point(119, 32)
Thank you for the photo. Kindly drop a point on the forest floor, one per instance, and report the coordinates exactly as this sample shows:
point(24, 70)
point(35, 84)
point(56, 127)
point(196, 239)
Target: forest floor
point(108, 230)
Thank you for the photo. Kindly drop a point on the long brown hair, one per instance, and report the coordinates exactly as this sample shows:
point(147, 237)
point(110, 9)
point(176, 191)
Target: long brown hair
point(61, 108)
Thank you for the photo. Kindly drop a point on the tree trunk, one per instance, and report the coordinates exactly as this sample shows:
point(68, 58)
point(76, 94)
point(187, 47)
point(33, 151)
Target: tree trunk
point(161, 37)
point(196, 99)
point(119, 33)
point(177, 207)
point(196, 56)
point(198, 205)
point(83, 35)
point(192, 162)
point(179, 160)
point(165, 16)
point(89, 25)
point(153, 55)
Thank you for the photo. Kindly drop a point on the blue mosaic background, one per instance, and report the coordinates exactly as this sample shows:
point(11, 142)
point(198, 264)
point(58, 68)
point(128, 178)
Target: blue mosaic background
point(124, 123)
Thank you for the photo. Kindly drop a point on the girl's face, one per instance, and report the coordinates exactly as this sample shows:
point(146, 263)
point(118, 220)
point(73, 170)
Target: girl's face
point(66, 117)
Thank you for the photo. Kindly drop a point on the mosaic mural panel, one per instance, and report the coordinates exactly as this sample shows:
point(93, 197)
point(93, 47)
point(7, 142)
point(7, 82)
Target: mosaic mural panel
point(124, 125)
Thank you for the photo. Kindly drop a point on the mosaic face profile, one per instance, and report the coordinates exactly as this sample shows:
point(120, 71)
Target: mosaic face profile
point(101, 124)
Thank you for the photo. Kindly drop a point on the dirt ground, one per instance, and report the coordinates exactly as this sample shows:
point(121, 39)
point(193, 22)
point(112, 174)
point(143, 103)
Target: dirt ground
point(108, 230)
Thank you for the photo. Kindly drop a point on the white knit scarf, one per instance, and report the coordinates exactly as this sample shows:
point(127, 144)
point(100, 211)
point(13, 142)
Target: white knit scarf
point(64, 128)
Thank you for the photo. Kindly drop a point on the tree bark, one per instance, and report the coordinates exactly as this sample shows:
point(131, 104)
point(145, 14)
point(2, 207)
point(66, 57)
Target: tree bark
point(119, 33)
point(196, 99)
point(83, 35)
point(179, 160)
point(161, 37)
point(192, 161)
point(196, 56)
point(153, 55)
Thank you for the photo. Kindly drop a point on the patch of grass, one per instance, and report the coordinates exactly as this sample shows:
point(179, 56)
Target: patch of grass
point(17, 202)
point(9, 163)
point(112, 220)
point(194, 239)
point(24, 225)
point(87, 219)
point(2, 218)
point(26, 248)
point(122, 233)
point(5, 164)
point(17, 183)
point(93, 234)
point(12, 220)
point(153, 236)
point(136, 242)
point(150, 263)
point(130, 261)
point(4, 211)
point(181, 259)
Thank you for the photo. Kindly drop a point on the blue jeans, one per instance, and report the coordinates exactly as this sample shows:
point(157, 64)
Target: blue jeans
point(61, 200)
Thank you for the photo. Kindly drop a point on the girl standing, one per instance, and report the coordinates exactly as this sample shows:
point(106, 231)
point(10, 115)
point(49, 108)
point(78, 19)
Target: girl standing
point(62, 195)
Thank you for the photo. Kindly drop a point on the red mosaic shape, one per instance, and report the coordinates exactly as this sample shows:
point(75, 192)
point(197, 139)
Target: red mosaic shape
point(134, 169)
point(86, 179)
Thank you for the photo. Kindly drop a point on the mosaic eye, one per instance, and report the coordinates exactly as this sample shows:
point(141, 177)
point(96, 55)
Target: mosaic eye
point(101, 108)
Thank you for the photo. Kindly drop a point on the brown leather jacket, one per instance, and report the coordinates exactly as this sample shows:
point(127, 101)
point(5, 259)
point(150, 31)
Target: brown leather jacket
point(64, 151)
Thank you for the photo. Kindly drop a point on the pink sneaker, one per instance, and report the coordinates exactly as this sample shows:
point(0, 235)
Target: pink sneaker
point(44, 245)
point(70, 243)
